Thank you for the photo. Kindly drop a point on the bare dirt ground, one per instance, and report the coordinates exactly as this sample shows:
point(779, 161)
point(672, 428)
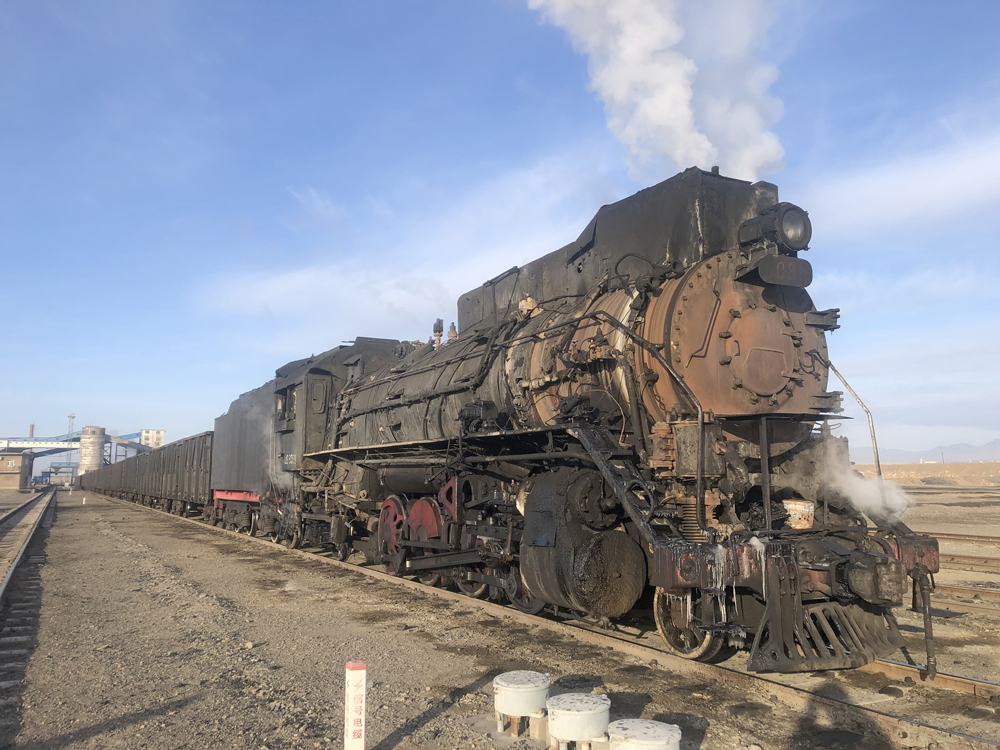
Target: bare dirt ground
point(148, 632)
point(964, 475)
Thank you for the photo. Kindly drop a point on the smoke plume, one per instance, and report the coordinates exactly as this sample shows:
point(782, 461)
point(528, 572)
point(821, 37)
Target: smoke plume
point(680, 82)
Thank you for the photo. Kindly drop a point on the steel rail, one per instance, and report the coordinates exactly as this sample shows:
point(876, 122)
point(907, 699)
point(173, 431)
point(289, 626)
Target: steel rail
point(22, 506)
point(27, 539)
point(949, 489)
point(970, 591)
point(978, 563)
point(971, 538)
point(903, 732)
point(955, 605)
point(898, 671)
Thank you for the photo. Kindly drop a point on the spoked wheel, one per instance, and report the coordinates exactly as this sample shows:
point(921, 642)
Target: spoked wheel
point(391, 522)
point(294, 539)
point(475, 589)
point(518, 594)
point(276, 534)
point(431, 577)
point(686, 642)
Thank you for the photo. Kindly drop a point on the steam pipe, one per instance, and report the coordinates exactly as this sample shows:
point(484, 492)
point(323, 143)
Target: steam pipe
point(923, 582)
point(700, 475)
point(638, 424)
point(871, 421)
point(655, 351)
point(765, 472)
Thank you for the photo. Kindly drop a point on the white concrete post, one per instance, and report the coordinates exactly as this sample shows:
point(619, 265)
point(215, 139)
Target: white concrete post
point(354, 706)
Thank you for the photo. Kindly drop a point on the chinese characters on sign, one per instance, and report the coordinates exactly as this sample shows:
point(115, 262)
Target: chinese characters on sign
point(354, 706)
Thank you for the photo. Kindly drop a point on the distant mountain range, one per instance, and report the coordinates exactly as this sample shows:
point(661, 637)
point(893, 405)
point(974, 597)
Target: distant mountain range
point(959, 453)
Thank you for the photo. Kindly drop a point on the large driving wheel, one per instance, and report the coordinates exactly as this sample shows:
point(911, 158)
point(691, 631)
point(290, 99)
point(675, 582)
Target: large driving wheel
point(685, 641)
point(391, 523)
point(474, 589)
point(517, 593)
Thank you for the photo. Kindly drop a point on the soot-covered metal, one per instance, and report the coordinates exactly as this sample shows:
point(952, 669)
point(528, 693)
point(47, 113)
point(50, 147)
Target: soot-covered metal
point(643, 409)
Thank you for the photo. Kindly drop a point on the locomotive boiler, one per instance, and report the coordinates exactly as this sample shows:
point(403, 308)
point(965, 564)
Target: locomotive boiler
point(638, 419)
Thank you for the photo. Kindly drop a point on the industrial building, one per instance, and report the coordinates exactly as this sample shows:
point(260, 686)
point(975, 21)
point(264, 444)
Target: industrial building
point(151, 438)
point(15, 470)
point(93, 445)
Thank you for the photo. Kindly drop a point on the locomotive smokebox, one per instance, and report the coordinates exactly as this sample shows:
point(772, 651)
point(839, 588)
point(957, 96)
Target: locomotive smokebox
point(566, 563)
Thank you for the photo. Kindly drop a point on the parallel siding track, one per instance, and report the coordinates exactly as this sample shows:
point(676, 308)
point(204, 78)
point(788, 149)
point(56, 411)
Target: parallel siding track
point(979, 563)
point(929, 490)
point(967, 598)
point(17, 528)
point(971, 538)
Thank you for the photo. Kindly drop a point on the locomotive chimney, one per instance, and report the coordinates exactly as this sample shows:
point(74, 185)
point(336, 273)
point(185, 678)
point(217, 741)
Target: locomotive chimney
point(438, 332)
point(452, 333)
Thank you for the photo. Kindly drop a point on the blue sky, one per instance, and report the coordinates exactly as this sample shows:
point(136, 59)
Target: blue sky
point(192, 194)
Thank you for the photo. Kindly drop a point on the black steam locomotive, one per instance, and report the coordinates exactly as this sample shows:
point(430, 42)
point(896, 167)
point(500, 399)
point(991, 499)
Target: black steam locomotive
point(644, 408)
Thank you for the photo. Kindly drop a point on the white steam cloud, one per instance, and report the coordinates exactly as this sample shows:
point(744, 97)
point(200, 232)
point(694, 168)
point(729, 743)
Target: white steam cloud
point(680, 81)
point(879, 499)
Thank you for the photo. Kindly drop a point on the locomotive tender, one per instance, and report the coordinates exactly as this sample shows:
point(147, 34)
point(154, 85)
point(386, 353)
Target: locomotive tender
point(644, 408)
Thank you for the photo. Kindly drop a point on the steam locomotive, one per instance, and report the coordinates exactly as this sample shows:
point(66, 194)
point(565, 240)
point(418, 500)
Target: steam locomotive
point(644, 410)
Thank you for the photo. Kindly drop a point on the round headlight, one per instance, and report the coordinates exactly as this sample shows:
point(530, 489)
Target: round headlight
point(794, 228)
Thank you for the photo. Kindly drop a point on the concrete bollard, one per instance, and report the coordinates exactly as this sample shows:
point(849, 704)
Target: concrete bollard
point(643, 734)
point(578, 718)
point(354, 706)
point(520, 695)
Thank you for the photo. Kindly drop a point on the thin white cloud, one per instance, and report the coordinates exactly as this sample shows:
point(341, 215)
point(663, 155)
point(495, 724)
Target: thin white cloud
point(911, 190)
point(386, 286)
point(926, 385)
point(861, 293)
point(317, 204)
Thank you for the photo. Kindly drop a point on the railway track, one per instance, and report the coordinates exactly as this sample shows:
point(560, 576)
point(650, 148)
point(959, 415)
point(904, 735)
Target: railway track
point(904, 732)
point(17, 528)
point(978, 563)
point(968, 598)
point(924, 490)
point(970, 538)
